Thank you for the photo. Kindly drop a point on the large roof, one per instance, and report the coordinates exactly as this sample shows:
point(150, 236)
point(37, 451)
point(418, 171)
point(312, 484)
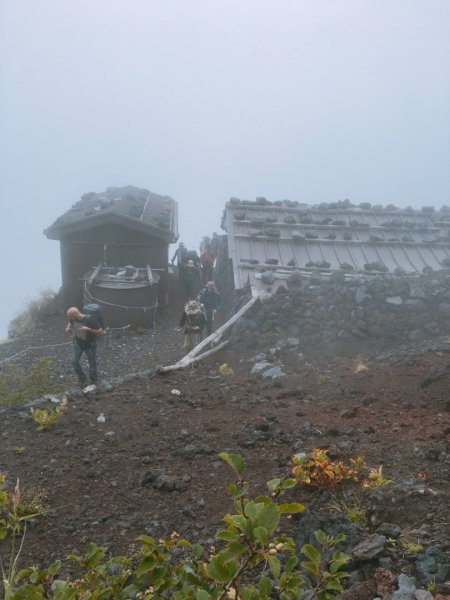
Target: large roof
point(283, 237)
point(133, 207)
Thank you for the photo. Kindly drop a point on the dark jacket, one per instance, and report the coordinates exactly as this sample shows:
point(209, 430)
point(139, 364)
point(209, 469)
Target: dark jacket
point(210, 300)
point(180, 255)
point(195, 320)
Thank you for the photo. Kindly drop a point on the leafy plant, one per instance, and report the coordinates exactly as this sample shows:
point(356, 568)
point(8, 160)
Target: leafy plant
point(324, 570)
point(317, 470)
point(225, 369)
point(376, 479)
point(16, 386)
point(357, 516)
point(18, 507)
point(411, 548)
point(252, 561)
point(351, 504)
point(47, 417)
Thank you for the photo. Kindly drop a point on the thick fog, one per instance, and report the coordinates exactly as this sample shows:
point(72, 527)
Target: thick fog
point(206, 99)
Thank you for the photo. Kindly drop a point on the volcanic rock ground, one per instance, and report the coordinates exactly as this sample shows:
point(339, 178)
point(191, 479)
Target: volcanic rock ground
point(152, 466)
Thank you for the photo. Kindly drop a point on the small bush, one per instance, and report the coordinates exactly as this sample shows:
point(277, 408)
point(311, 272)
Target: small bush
point(16, 386)
point(317, 470)
point(35, 311)
point(18, 507)
point(251, 561)
point(47, 417)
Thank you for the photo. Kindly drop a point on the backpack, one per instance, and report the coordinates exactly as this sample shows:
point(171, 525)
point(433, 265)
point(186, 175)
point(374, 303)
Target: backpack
point(94, 310)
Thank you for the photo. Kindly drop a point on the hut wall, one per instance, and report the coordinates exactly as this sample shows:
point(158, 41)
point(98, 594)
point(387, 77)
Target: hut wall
point(85, 249)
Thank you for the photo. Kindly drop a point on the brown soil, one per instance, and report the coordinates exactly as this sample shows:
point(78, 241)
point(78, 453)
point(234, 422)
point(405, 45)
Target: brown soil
point(153, 467)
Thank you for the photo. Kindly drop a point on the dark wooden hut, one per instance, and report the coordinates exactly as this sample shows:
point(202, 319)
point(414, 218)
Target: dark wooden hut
point(121, 227)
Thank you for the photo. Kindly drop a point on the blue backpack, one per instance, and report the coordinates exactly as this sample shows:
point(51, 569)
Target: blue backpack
point(94, 310)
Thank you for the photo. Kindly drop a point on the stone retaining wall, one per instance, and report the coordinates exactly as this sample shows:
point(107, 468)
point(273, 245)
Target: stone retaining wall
point(319, 311)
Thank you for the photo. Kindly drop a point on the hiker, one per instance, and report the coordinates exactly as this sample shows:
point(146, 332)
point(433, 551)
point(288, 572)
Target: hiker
point(191, 279)
point(86, 329)
point(193, 320)
point(205, 244)
point(209, 298)
point(207, 259)
point(215, 243)
point(181, 257)
point(192, 255)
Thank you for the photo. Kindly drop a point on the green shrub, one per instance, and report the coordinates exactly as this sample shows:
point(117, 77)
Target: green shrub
point(46, 305)
point(252, 561)
point(16, 386)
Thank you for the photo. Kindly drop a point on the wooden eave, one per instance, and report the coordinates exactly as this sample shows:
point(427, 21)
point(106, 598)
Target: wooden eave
point(60, 231)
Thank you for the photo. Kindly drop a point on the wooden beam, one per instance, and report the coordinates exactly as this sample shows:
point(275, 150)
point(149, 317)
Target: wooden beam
point(150, 275)
point(195, 355)
point(95, 273)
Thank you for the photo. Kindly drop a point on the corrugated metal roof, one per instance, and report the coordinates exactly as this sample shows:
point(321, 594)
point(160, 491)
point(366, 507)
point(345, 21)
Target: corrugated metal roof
point(137, 205)
point(284, 237)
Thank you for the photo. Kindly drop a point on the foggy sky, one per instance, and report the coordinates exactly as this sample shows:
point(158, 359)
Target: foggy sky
point(309, 100)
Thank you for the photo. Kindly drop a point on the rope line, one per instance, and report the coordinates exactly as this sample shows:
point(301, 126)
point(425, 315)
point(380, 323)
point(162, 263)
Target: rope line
point(96, 300)
point(55, 345)
point(92, 298)
point(32, 348)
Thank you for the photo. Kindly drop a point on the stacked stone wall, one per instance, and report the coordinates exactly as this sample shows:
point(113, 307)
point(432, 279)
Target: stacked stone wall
point(319, 311)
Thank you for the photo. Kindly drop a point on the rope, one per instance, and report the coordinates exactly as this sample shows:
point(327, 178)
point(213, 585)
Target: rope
point(92, 298)
point(32, 348)
point(55, 345)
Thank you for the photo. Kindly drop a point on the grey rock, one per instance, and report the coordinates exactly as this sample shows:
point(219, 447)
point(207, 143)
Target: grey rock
point(360, 296)
point(372, 546)
point(166, 483)
point(406, 588)
point(190, 451)
point(261, 357)
point(273, 373)
point(396, 300)
point(309, 522)
point(423, 595)
point(260, 367)
point(389, 530)
point(434, 564)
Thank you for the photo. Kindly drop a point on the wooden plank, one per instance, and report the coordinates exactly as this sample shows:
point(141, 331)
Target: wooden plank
point(150, 275)
point(95, 273)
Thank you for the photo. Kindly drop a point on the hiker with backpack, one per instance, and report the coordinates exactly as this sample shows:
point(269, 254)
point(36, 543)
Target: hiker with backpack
point(207, 259)
point(210, 299)
point(193, 321)
point(86, 329)
point(180, 256)
point(191, 279)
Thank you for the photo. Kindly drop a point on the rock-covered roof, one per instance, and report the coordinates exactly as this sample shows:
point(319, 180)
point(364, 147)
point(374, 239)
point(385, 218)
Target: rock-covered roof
point(267, 241)
point(134, 207)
